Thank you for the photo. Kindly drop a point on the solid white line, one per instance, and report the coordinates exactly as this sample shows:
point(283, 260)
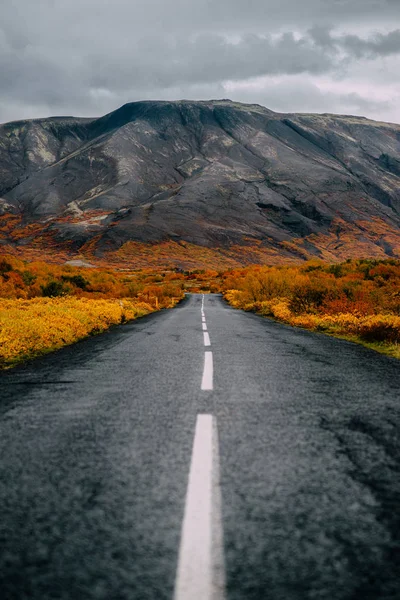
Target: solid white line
point(217, 530)
point(208, 372)
point(204, 326)
point(206, 339)
point(200, 574)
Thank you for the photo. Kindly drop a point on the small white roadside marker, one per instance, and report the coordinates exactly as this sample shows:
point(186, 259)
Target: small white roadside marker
point(201, 574)
point(206, 338)
point(207, 383)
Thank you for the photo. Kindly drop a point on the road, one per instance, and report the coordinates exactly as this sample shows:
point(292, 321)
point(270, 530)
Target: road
point(189, 458)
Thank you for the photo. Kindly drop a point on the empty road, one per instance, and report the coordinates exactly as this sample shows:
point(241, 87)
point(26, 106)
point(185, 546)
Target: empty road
point(201, 453)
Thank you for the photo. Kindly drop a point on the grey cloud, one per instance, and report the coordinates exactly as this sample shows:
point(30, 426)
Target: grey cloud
point(279, 96)
point(93, 22)
point(162, 63)
point(208, 58)
point(166, 62)
point(321, 35)
point(378, 45)
point(85, 56)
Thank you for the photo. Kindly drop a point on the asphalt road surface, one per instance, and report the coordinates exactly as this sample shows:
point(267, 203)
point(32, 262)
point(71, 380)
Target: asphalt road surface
point(201, 458)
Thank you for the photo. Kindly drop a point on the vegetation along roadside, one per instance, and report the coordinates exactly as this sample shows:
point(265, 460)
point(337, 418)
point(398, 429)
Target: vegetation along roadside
point(358, 300)
point(44, 307)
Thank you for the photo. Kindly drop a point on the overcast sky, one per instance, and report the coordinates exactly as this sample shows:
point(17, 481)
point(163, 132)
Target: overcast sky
point(88, 57)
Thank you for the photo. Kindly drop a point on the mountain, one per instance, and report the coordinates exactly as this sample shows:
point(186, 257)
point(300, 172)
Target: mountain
point(214, 174)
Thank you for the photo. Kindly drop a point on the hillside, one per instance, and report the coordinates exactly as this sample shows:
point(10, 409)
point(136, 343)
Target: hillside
point(215, 175)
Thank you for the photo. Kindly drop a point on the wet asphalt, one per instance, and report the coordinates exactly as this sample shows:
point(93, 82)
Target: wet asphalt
point(95, 447)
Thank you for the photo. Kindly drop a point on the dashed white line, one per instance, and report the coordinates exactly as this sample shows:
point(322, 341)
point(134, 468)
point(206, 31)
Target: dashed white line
point(200, 574)
point(203, 319)
point(206, 338)
point(207, 382)
point(204, 326)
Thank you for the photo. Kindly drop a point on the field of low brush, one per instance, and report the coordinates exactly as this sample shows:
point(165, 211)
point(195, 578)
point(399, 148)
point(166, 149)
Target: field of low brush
point(44, 307)
point(359, 300)
point(29, 328)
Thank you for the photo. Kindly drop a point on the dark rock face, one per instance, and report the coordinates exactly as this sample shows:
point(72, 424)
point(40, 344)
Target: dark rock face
point(212, 173)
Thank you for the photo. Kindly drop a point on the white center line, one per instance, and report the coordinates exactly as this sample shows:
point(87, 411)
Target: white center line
point(206, 338)
point(200, 574)
point(208, 372)
point(203, 319)
point(204, 326)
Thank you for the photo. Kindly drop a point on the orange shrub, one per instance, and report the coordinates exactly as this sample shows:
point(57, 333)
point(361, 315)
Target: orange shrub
point(359, 298)
point(43, 306)
point(380, 328)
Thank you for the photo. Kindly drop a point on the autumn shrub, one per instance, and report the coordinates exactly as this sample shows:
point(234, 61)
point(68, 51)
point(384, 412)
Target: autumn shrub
point(380, 328)
point(19, 279)
point(304, 297)
point(164, 296)
point(78, 280)
point(344, 305)
point(29, 328)
point(54, 289)
point(44, 306)
point(360, 298)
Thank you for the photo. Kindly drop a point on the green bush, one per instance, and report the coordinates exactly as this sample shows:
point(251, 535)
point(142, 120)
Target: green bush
point(54, 289)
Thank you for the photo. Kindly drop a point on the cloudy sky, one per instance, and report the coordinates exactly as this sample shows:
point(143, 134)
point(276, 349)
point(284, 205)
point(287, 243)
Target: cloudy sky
point(87, 57)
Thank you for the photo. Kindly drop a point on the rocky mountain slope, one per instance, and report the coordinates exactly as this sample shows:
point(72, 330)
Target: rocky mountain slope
point(215, 174)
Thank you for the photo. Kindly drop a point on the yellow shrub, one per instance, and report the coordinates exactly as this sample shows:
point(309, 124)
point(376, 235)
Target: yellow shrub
point(379, 328)
point(265, 308)
point(306, 321)
point(236, 298)
point(280, 310)
point(32, 327)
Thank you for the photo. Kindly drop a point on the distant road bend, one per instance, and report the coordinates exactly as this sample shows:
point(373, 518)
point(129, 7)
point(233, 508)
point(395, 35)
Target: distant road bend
point(201, 453)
